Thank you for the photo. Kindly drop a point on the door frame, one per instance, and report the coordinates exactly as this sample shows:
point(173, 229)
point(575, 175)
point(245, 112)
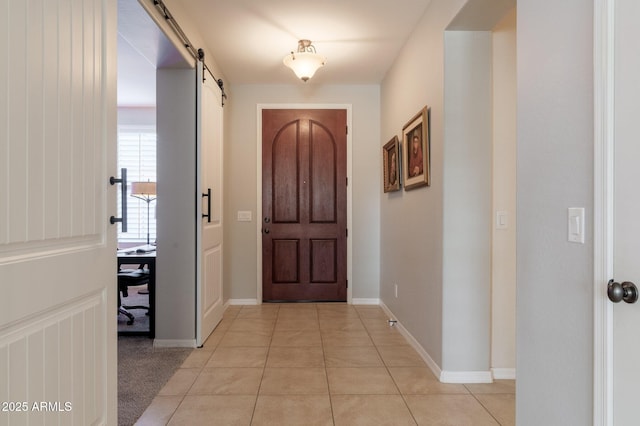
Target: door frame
point(259, 109)
point(604, 68)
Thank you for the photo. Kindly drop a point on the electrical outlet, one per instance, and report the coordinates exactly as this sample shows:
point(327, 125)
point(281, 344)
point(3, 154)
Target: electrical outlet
point(395, 286)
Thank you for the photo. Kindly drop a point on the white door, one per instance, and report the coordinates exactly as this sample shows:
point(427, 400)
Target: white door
point(57, 249)
point(209, 304)
point(626, 264)
point(617, 333)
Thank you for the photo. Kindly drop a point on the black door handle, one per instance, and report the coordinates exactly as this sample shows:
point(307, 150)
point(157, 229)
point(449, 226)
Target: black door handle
point(208, 195)
point(123, 199)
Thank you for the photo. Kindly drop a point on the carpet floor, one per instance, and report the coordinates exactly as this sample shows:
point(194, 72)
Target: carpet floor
point(141, 319)
point(142, 371)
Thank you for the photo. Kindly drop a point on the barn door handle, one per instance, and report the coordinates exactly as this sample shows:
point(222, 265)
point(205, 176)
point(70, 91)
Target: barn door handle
point(626, 291)
point(123, 199)
point(208, 195)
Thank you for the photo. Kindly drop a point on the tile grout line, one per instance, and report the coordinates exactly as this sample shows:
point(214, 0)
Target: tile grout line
point(482, 405)
point(202, 368)
point(264, 367)
point(388, 372)
point(326, 373)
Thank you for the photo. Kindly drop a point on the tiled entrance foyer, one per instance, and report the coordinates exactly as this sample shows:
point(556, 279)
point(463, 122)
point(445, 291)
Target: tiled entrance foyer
point(318, 364)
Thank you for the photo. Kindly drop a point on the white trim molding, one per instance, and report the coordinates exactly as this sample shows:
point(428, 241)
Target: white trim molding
point(604, 72)
point(504, 373)
point(446, 376)
point(174, 343)
point(433, 366)
point(361, 301)
point(236, 302)
point(466, 377)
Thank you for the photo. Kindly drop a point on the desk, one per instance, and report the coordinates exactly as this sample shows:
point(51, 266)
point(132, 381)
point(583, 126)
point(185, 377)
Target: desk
point(131, 256)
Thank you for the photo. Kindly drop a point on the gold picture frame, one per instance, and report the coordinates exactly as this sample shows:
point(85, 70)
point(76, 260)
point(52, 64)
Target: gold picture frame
point(416, 150)
point(391, 165)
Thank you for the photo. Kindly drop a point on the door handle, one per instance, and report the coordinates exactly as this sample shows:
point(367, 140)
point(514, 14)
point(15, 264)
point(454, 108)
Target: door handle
point(208, 195)
point(123, 199)
point(265, 230)
point(267, 220)
point(626, 291)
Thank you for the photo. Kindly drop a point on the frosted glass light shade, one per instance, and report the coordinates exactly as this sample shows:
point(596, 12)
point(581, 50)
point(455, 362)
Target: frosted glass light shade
point(305, 62)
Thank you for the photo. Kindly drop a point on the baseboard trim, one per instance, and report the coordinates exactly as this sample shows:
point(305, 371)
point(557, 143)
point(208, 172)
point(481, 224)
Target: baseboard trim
point(504, 373)
point(174, 343)
point(231, 302)
point(355, 301)
point(433, 366)
point(466, 377)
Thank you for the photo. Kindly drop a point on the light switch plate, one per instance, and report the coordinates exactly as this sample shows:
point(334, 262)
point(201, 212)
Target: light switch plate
point(244, 216)
point(575, 225)
point(502, 220)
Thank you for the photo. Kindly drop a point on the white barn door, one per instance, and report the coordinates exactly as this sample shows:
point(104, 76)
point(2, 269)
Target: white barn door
point(209, 300)
point(57, 248)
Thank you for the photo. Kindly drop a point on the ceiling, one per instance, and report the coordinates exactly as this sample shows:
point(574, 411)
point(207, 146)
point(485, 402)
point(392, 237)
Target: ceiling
point(249, 39)
point(359, 38)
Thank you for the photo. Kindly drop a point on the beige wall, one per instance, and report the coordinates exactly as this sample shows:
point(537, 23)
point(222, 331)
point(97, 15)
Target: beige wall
point(443, 268)
point(503, 274)
point(241, 156)
point(412, 221)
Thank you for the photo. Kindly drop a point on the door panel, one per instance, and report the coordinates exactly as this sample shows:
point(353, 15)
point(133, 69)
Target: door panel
point(57, 248)
point(626, 265)
point(304, 205)
point(209, 297)
point(286, 170)
point(322, 162)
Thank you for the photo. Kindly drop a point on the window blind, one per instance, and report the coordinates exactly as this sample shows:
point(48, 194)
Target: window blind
point(137, 153)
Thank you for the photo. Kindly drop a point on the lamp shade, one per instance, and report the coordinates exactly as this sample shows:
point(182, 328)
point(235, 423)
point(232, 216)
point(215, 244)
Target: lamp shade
point(147, 189)
point(305, 62)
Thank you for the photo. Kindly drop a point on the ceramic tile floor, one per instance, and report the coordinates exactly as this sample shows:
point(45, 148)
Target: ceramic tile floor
point(318, 364)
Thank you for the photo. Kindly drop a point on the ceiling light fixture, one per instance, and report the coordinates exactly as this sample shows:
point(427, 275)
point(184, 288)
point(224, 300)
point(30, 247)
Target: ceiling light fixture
point(305, 62)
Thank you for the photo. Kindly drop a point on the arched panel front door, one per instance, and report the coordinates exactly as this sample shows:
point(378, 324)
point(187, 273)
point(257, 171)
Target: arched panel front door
point(304, 204)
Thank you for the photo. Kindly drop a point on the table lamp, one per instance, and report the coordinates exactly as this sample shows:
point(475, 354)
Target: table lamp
point(145, 191)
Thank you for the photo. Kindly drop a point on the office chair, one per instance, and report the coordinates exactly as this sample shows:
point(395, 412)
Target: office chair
point(131, 278)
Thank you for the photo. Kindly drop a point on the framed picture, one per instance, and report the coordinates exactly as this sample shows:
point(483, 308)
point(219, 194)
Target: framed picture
point(415, 154)
point(391, 165)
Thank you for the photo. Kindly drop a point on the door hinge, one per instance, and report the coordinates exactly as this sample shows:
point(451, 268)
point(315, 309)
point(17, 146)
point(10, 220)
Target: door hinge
point(347, 130)
point(347, 179)
point(347, 283)
point(346, 232)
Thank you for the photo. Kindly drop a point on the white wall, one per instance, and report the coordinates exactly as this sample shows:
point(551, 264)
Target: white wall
point(176, 208)
point(467, 202)
point(503, 269)
point(137, 116)
point(241, 238)
point(555, 171)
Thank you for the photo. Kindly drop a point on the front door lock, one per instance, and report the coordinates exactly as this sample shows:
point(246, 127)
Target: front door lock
point(626, 291)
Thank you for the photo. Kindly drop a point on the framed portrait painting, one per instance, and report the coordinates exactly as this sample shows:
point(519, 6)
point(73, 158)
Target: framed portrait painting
point(415, 152)
point(391, 165)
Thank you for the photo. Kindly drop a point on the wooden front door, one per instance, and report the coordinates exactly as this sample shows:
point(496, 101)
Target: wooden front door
point(304, 205)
